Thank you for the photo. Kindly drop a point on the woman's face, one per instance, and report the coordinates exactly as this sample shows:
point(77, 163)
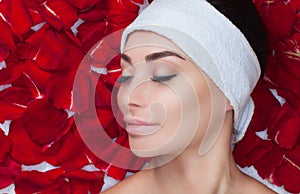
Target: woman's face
point(165, 99)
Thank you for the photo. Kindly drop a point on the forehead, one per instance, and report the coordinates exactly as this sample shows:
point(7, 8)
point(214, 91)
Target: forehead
point(145, 38)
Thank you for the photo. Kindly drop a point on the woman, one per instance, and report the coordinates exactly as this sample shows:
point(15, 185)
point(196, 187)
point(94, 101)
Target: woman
point(187, 75)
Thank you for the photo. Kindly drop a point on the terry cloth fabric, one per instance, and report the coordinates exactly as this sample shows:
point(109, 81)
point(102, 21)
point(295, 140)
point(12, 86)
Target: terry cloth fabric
point(213, 43)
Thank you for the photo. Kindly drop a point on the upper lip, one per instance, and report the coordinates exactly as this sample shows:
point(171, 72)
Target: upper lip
point(137, 121)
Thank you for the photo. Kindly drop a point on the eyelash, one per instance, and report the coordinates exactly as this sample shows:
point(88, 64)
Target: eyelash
point(154, 78)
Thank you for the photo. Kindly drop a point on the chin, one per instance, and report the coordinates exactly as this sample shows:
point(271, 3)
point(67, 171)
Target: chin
point(150, 147)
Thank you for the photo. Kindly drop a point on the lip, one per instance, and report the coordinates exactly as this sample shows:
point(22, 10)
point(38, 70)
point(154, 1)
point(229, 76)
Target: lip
point(137, 121)
point(138, 127)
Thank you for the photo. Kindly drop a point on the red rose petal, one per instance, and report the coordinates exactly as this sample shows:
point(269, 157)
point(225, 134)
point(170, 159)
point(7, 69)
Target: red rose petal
point(90, 33)
point(102, 96)
point(6, 40)
point(294, 155)
point(105, 117)
point(5, 146)
point(288, 53)
point(83, 4)
point(40, 182)
point(20, 22)
point(9, 169)
point(16, 95)
point(58, 14)
point(266, 107)
point(286, 81)
point(251, 149)
point(81, 92)
point(85, 182)
point(265, 169)
point(95, 14)
point(36, 74)
point(25, 81)
point(60, 93)
point(114, 72)
point(278, 17)
point(43, 122)
point(45, 47)
point(4, 52)
point(23, 150)
point(294, 5)
point(61, 153)
point(9, 74)
point(125, 5)
point(10, 111)
point(289, 176)
point(285, 129)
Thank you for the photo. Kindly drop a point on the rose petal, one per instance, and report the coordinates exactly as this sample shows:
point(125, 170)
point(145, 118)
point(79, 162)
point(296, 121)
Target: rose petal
point(105, 117)
point(83, 4)
point(120, 17)
point(61, 94)
point(37, 75)
point(9, 169)
point(43, 182)
point(251, 149)
point(285, 129)
point(86, 182)
point(9, 74)
point(266, 169)
point(266, 107)
point(95, 14)
point(43, 122)
point(5, 146)
point(114, 72)
point(4, 52)
point(6, 40)
point(25, 81)
point(125, 5)
point(286, 81)
point(90, 33)
point(19, 23)
point(10, 111)
point(16, 95)
point(289, 176)
point(24, 150)
point(81, 92)
point(58, 14)
point(278, 17)
point(102, 96)
point(288, 54)
point(61, 153)
point(45, 47)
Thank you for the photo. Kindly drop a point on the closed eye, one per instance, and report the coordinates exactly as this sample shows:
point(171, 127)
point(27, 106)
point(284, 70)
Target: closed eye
point(124, 79)
point(162, 78)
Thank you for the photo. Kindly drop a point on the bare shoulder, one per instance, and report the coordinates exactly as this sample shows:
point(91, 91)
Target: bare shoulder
point(135, 184)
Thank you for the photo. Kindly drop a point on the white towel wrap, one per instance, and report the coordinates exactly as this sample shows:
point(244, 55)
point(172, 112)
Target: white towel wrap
point(204, 34)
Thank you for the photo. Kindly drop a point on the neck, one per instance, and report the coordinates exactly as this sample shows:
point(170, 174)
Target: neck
point(192, 173)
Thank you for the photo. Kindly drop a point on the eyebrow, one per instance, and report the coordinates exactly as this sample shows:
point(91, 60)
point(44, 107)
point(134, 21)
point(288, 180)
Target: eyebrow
point(153, 56)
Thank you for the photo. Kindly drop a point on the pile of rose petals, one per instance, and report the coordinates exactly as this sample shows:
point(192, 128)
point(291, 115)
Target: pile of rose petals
point(42, 45)
point(272, 142)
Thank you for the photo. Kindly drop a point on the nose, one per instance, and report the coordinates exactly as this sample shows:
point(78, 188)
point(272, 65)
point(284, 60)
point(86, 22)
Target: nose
point(139, 96)
point(135, 99)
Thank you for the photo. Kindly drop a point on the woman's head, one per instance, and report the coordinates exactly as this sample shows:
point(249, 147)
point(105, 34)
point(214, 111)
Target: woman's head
point(209, 40)
point(165, 98)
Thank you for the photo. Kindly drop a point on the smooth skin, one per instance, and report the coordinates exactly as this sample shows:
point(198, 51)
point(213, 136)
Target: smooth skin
point(176, 141)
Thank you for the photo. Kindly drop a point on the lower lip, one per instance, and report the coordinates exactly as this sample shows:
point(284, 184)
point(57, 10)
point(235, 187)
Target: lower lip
point(141, 129)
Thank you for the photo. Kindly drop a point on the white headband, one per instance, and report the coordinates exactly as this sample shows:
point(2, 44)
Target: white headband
point(204, 34)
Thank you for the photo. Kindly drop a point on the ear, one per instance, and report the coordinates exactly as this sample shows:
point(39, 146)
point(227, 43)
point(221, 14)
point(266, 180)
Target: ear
point(229, 107)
